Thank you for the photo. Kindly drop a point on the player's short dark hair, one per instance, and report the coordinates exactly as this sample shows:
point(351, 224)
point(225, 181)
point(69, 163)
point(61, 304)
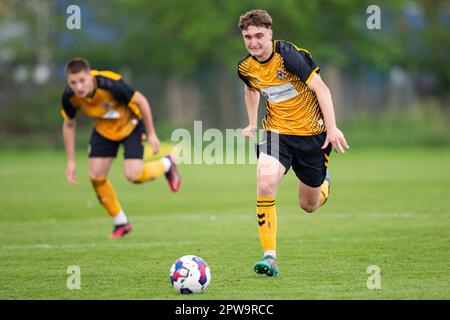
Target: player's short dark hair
point(76, 65)
point(257, 18)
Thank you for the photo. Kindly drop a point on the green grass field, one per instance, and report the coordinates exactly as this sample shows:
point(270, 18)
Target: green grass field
point(389, 208)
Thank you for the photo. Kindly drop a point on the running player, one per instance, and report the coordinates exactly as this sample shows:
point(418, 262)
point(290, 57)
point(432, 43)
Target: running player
point(300, 126)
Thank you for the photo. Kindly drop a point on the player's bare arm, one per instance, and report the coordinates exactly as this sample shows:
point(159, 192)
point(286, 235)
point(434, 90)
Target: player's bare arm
point(147, 117)
point(69, 131)
point(252, 97)
point(334, 135)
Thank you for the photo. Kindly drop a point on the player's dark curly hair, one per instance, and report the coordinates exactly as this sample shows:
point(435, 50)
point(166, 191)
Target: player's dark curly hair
point(257, 18)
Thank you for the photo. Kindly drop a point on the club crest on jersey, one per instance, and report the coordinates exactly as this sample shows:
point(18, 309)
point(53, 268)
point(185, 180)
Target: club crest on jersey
point(281, 75)
point(110, 112)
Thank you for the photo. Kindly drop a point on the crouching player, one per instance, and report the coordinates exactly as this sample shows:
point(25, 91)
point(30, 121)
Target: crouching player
point(121, 115)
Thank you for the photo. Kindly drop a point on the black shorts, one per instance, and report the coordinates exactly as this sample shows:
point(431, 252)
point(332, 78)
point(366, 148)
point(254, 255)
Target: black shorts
point(101, 147)
point(304, 153)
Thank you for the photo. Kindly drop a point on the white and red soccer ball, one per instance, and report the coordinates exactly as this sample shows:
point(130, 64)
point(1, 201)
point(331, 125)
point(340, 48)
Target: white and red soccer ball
point(190, 274)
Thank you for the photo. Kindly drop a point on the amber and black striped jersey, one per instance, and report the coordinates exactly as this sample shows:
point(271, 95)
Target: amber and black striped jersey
point(112, 108)
point(291, 107)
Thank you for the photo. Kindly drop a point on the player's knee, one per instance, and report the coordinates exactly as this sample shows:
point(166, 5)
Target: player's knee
point(308, 205)
point(96, 178)
point(308, 208)
point(132, 177)
point(266, 188)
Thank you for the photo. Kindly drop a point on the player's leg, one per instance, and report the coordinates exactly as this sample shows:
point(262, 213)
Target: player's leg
point(98, 174)
point(138, 171)
point(101, 155)
point(273, 162)
point(310, 199)
point(269, 175)
point(310, 166)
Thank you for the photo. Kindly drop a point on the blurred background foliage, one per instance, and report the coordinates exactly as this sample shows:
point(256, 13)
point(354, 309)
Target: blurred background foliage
point(389, 86)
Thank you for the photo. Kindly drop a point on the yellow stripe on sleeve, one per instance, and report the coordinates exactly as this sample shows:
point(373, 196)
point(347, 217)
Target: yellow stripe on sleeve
point(64, 115)
point(106, 73)
point(311, 75)
point(134, 107)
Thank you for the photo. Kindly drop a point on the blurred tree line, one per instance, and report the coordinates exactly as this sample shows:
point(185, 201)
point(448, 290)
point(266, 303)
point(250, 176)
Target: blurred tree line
point(183, 54)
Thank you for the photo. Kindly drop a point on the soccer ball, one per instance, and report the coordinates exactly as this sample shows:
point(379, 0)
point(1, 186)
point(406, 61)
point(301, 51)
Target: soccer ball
point(190, 274)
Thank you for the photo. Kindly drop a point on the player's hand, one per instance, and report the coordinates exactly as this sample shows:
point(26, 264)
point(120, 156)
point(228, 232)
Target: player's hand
point(249, 131)
point(337, 140)
point(154, 142)
point(70, 173)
